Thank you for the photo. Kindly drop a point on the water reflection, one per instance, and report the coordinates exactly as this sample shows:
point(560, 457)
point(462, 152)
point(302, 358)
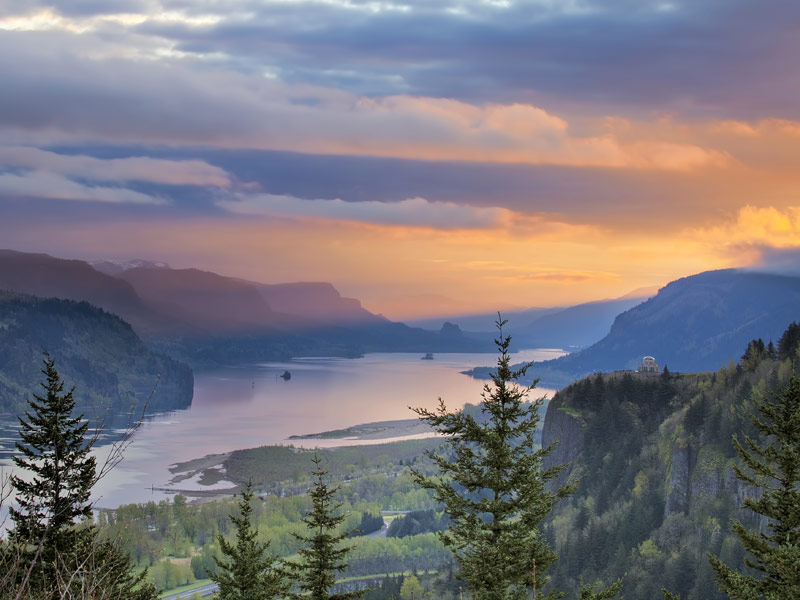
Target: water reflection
point(248, 406)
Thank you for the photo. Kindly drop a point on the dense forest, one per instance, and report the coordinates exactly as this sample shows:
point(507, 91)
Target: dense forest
point(653, 458)
point(112, 369)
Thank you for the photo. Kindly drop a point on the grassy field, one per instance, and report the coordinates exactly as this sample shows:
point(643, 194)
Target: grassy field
point(286, 463)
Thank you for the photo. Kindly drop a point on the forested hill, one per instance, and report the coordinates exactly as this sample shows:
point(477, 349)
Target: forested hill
point(696, 323)
point(94, 350)
point(654, 460)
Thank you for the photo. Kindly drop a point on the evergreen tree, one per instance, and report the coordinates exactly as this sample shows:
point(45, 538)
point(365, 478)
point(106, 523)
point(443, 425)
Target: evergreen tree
point(323, 552)
point(107, 572)
point(54, 550)
point(247, 574)
point(53, 449)
point(55, 499)
point(774, 468)
point(587, 592)
point(494, 487)
point(789, 343)
point(772, 353)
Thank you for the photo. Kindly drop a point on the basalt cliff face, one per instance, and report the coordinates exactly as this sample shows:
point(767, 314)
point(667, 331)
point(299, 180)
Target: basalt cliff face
point(653, 463)
point(694, 468)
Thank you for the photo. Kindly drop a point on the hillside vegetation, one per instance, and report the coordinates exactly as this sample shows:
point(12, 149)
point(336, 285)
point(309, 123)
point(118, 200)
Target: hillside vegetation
point(653, 458)
point(97, 352)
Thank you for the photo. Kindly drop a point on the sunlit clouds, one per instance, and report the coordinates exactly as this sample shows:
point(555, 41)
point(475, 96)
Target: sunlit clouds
point(758, 228)
point(136, 168)
point(418, 155)
point(536, 262)
point(416, 212)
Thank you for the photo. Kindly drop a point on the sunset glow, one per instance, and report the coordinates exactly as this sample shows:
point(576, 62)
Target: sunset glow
point(485, 155)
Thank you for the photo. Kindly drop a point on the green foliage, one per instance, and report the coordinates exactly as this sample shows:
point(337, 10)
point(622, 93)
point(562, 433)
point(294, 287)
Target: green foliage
point(107, 572)
point(655, 464)
point(416, 522)
point(789, 344)
point(54, 551)
point(323, 552)
point(97, 351)
point(393, 555)
point(410, 588)
point(588, 592)
point(53, 450)
point(268, 465)
point(203, 563)
point(245, 572)
point(493, 486)
point(169, 574)
point(773, 467)
point(154, 530)
point(369, 524)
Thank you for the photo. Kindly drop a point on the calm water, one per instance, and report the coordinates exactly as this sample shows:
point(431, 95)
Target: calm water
point(243, 407)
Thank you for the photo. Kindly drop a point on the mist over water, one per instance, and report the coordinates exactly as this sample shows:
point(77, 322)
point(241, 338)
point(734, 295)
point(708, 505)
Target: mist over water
point(247, 406)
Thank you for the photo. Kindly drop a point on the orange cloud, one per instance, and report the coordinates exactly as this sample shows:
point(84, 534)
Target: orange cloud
point(525, 261)
point(769, 226)
point(412, 212)
point(445, 129)
point(761, 127)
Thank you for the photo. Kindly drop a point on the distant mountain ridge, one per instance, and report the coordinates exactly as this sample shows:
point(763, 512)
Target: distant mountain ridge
point(567, 327)
point(46, 276)
point(207, 302)
point(698, 323)
point(574, 327)
point(208, 319)
point(115, 267)
point(316, 300)
point(695, 323)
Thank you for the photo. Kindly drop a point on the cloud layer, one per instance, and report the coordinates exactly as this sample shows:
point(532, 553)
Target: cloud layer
point(68, 102)
point(412, 212)
point(137, 168)
point(497, 150)
point(43, 185)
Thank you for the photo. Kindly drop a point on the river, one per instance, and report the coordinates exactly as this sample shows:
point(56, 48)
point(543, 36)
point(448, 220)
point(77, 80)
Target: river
point(248, 406)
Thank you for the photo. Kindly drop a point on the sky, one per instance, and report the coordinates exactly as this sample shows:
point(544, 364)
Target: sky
point(425, 156)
